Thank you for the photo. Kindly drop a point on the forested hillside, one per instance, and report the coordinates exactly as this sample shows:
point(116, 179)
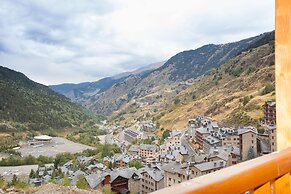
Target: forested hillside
point(25, 104)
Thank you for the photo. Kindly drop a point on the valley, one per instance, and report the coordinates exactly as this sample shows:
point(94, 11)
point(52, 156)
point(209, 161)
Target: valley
point(202, 103)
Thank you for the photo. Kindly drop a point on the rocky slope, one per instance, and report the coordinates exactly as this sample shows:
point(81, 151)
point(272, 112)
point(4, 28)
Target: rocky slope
point(163, 82)
point(232, 93)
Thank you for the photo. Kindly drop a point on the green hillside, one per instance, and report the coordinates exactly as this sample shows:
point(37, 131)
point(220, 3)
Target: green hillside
point(27, 105)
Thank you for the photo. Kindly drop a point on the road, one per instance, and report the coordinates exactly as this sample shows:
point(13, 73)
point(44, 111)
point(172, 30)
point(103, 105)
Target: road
point(187, 144)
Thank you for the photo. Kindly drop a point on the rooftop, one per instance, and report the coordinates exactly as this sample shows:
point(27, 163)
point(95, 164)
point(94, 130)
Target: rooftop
point(43, 137)
point(210, 165)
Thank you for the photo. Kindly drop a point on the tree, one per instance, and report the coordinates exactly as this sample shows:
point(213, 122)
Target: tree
point(81, 182)
point(177, 101)
point(135, 163)
point(268, 89)
point(251, 154)
point(246, 100)
point(166, 134)
point(66, 182)
point(2, 182)
point(105, 150)
point(14, 180)
point(32, 174)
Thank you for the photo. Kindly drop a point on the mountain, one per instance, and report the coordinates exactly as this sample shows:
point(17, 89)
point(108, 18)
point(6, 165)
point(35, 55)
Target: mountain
point(25, 104)
point(164, 81)
point(82, 92)
point(146, 91)
point(232, 93)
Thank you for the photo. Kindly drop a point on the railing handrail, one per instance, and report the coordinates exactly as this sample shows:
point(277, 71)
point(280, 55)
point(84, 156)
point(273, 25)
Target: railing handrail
point(239, 178)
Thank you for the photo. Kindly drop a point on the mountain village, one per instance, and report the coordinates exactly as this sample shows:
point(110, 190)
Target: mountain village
point(203, 147)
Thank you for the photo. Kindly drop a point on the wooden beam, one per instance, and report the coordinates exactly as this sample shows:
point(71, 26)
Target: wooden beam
point(283, 72)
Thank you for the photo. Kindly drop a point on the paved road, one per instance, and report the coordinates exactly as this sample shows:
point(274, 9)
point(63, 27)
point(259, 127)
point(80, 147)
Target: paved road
point(187, 144)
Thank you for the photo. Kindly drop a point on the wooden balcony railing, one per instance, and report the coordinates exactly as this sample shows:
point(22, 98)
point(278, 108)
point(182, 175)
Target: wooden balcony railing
point(269, 174)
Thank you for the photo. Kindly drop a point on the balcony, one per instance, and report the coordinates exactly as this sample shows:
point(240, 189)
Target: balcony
point(264, 175)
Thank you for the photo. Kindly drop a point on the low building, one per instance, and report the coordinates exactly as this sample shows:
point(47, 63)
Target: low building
point(148, 126)
point(41, 139)
point(147, 151)
point(131, 135)
point(122, 180)
point(134, 149)
point(206, 168)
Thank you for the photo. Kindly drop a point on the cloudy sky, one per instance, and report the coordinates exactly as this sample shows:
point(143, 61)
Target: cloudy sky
point(58, 41)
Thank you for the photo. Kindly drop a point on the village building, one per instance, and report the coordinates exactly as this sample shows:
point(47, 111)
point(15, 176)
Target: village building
point(134, 149)
point(271, 131)
point(41, 139)
point(174, 139)
point(206, 167)
point(131, 135)
point(248, 142)
point(270, 112)
point(152, 179)
point(148, 152)
point(175, 173)
point(148, 126)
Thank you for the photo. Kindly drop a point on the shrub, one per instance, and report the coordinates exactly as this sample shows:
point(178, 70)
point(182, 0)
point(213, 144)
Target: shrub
point(81, 182)
point(66, 182)
point(246, 100)
point(268, 89)
point(177, 101)
point(135, 163)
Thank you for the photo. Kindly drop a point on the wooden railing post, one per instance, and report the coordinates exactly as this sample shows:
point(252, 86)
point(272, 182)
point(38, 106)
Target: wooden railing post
point(283, 72)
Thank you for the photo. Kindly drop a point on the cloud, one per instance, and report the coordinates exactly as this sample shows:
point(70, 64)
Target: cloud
point(56, 41)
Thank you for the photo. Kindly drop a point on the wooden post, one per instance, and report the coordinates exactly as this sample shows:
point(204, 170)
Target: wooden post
point(283, 72)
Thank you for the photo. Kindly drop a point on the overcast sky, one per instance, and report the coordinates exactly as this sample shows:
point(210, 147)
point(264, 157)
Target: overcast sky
point(58, 41)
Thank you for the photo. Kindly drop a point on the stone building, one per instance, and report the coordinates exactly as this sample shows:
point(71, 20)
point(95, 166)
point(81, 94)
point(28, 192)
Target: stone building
point(248, 142)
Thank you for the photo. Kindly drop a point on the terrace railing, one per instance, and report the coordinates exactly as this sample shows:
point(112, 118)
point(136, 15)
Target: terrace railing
point(269, 174)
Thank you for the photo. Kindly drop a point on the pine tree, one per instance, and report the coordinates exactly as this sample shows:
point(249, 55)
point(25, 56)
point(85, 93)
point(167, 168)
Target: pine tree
point(32, 174)
point(251, 154)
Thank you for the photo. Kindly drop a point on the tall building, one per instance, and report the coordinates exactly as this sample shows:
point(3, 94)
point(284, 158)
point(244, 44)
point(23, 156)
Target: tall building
point(270, 112)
